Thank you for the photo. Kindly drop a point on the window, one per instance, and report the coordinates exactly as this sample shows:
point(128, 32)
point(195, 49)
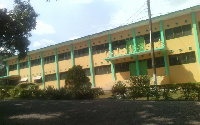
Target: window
point(87, 72)
point(23, 65)
point(102, 70)
point(35, 62)
point(178, 31)
point(122, 67)
point(49, 59)
point(120, 44)
point(187, 30)
point(159, 62)
point(169, 34)
point(63, 75)
point(13, 67)
point(51, 77)
point(100, 48)
point(81, 52)
point(156, 37)
point(64, 56)
point(183, 58)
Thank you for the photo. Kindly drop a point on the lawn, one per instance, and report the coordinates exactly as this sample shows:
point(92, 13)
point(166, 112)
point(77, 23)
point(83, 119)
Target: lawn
point(98, 112)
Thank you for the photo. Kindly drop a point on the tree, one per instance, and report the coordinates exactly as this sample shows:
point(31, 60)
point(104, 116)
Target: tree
point(15, 29)
point(76, 78)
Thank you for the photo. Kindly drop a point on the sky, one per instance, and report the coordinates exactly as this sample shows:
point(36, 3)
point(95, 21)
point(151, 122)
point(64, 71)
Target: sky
point(64, 20)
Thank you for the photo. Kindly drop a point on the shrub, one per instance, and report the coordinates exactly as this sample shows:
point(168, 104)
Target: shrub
point(78, 83)
point(27, 85)
point(119, 89)
point(139, 86)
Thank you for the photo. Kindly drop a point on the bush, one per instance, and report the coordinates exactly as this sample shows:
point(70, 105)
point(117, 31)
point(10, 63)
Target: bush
point(119, 89)
point(27, 86)
point(139, 86)
point(78, 83)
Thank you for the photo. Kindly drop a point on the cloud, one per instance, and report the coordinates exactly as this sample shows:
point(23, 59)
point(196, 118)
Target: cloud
point(42, 29)
point(43, 43)
point(80, 1)
point(2, 6)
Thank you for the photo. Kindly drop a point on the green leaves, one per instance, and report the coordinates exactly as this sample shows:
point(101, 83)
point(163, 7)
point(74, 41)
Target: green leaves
point(15, 28)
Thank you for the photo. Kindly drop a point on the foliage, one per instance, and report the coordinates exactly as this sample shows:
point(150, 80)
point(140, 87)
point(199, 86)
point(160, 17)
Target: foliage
point(119, 89)
point(16, 26)
point(139, 86)
point(77, 82)
point(27, 86)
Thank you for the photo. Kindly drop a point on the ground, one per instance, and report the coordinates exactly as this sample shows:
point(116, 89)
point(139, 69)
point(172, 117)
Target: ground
point(98, 112)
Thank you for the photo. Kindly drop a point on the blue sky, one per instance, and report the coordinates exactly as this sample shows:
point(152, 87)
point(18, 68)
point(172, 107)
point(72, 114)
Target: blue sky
point(64, 20)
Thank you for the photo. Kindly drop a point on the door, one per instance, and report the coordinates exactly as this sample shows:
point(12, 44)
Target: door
point(143, 67)
point(132, 69)
point(140, 43)
point(129, 45)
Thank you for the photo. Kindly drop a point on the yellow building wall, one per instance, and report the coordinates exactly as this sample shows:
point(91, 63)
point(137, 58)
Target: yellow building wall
point(104, 81)
point(12, 62)
point(51, 83)
point(184, 73)
point(122, 76)
point(121, 35)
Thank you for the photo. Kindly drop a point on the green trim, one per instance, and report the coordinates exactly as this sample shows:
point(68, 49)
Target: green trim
point(29, 66)
point(134, 40)
point(162, 34)
point(42, 68)
point(132, 54)
point(57, 70)
point(110, 45)
point(18, 72)
point(7, 68)
point(72, 54)
point(196, 35)
point(91, 63)
point(166, 64)
point(113, 69)
point(163, 46)
point(137, 65)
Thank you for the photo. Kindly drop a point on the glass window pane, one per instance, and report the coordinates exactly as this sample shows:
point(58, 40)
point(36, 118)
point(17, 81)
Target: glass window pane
point(187, 30)
point(177, 32)
point(169, 34)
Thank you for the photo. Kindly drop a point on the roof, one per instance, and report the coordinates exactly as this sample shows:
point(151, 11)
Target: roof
point(117, 29)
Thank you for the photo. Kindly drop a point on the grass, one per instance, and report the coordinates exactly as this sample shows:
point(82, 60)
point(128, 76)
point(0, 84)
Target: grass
point(107, 94)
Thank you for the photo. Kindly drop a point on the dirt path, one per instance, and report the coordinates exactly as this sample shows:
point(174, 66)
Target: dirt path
point(98, 112)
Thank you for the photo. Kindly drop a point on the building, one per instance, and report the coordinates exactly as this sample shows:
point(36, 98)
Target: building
point(119, 53)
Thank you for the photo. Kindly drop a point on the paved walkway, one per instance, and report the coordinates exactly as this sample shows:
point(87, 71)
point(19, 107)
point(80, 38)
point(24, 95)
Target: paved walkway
point(98, 112)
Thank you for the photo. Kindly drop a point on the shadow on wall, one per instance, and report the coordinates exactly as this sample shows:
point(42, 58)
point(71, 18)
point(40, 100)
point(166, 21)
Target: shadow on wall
point(184, 73)
point(99, 112)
